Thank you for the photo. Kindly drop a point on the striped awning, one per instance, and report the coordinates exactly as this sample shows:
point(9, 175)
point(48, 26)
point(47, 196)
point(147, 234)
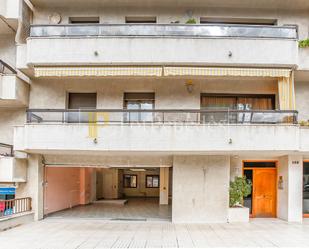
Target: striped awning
point(226, 71)
point(96, 71)
point(157, 71)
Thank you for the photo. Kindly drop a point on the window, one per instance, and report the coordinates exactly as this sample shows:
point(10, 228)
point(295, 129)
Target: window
point(82, 100)
point(130, 181)
point(259, 164)
point(244, 21)
point(139, 101)
point(78, 101)
point(238, 102)
point(141, 19)
point(85, 20)
point(152, 181)
point(246, 102)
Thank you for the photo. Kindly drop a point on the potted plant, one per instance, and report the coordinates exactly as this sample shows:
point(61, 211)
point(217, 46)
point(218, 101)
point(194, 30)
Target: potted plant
point(304, 123)
point(191, 21)
point(239, 189)
point(303, 43)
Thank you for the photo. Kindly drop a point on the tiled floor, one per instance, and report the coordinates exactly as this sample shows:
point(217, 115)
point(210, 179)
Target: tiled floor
point(136, 209)
point(91, 233)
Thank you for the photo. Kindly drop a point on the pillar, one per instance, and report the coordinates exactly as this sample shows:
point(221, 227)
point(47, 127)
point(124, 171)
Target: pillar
point(164, 181)
point(34, 186)
point(85, 185)
point(290, 198)
point(200, 189)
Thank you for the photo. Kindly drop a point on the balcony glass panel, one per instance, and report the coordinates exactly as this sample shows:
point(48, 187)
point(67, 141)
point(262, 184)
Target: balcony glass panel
point(202, 30)
point(218, 116)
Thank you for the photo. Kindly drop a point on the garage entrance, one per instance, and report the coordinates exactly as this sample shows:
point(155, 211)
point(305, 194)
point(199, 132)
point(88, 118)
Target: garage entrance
point(108, 193)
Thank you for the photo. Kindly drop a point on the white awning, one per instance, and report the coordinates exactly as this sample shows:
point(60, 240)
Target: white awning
point(226, 71)
point(157, 71)
point(96, 71)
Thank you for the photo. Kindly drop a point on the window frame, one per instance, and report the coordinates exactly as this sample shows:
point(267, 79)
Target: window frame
point(80, 20)
point(238, 21)
point(152, 176)
point(72, 93)
point(131, 175)
point(148, 97)
point(141, 19)
point(237, 96)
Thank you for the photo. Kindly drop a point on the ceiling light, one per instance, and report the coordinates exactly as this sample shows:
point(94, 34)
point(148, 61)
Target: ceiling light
point(138, 170)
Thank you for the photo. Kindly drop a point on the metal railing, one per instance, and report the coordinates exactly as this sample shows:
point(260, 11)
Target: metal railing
point(169, 30)
point(104, 116)
point(6, 149)
point(14, 206)
point(6, 68)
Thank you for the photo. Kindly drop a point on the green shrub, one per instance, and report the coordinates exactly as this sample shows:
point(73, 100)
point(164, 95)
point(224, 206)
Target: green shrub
point(239, 189)
point(304, 123)
point(191, 21)
point(303, 43)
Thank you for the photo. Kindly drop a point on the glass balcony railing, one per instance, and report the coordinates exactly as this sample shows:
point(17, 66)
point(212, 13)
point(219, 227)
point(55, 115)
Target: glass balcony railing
point(165, 30)
point(162, 116)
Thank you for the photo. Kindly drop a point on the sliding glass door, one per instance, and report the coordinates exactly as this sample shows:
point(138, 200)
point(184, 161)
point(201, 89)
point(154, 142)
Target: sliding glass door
point(139, 101)
point(218, 104)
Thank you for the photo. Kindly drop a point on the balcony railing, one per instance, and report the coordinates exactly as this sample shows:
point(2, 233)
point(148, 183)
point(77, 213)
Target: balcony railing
point(102, 116)
point(165, 30)
point(6, 68)
point(6, 149)
point(14, 206)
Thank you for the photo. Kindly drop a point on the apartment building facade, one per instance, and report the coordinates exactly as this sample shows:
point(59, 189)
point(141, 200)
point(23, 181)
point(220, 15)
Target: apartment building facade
point(167, 100)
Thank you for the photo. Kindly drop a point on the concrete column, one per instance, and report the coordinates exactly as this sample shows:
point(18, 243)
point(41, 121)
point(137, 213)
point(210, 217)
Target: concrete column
point(290, 196)
point(164, 182)
point(93, 185)
point(200, 189)
point(34, 186)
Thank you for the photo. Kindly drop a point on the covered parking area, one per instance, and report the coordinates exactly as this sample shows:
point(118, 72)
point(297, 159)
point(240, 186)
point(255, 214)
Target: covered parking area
point(110, 192)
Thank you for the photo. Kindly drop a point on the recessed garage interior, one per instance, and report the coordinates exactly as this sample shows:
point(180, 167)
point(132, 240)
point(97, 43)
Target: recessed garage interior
point(122, 193)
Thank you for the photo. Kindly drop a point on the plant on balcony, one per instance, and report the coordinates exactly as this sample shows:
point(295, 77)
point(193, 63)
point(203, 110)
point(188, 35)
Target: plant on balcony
point(303, 43)
point(304, 123)
point(191, 21)
point(239, 189)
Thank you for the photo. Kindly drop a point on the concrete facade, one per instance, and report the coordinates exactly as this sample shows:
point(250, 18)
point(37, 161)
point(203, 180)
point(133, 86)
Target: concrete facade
point(290, 196)
point(34, 187)
point(203, 158)
point(161, 50)
point(13, 169)
point(200, 186)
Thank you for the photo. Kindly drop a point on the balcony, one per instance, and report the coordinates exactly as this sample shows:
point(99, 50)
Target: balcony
point(303, 63)
point(9, 9)
point(11, 169)
point(10, 12)
point(105, 44)
point(14, 92)
point(168, 131)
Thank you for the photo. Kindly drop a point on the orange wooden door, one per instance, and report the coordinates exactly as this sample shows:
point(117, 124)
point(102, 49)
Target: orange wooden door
point(264, 193)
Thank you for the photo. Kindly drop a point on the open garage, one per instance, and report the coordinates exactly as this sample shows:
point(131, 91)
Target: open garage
point(108, 193)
